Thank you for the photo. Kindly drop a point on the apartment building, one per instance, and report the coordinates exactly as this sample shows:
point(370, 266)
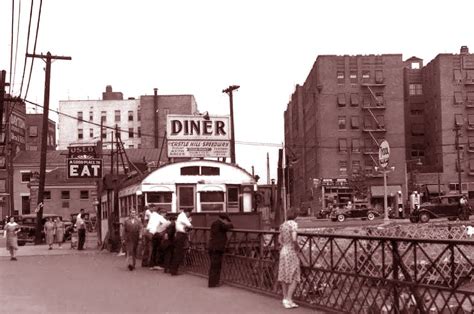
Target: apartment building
point(34, 122)
point(334, 123)
point(141, 123)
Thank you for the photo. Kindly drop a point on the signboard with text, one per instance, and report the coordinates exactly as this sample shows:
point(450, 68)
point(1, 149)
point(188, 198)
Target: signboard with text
point(198, 136)
point(84, 168)
point(384, 154)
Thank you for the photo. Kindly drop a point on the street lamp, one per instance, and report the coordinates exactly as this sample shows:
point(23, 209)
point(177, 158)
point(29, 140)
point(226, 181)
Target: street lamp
point(385, 201)
point(229, 91)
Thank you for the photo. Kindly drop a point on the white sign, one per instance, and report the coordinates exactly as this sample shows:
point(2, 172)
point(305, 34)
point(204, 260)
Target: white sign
point(384, 153)
point(198, 149)
point(192, 127)
point(84, 168)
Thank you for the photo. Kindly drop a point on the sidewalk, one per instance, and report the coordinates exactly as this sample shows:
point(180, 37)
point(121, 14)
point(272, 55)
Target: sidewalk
point(42, 249)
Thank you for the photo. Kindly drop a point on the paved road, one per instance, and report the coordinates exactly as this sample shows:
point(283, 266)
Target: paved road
point(98, 282)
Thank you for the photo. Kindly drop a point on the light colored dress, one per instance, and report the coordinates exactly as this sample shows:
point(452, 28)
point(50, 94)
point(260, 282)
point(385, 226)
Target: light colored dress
point(289, 265)
point(60, 232)
point(12, 239)
point(49, 232)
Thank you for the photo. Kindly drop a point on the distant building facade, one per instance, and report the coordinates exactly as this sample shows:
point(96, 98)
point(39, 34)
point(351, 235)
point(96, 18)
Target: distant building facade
point(34, 130)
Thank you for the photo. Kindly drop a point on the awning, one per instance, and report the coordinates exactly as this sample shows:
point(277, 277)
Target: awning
point(378, 191)
point(433, 188)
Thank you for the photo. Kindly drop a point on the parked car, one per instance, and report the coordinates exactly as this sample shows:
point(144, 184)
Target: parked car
point(340, 214)
point(445, 206)
point(27, 232)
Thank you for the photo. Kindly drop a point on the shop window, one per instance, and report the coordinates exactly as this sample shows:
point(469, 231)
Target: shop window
point(457, 75)
point(458, 120)
point(458, 98)
point(212, 201)
point(355, 145)
point(354, 99)
point(47, 195)
point(65, 195)
point(341, 100)
point(341, 122)
point(84, 195)
point(233, 199)
point(355, 122)
point(210, 171)
point(342, 145)
point(190, 171)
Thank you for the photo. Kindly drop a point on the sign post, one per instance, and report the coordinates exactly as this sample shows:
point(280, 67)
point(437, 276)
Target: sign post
point(384, 156)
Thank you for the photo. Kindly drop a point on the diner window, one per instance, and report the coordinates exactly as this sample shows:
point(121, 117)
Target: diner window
point(33, 131)
point(84, 195)
point(342, 145)
point(117, 115)
point(233, 199)
point(354, 100)
point(210, 171)
point(130, 115)
point(341, 99)
point(341, 122)
point(212, 201)
point(190, 171)
point(160, 199)
point(79, 116)
point(65, 195)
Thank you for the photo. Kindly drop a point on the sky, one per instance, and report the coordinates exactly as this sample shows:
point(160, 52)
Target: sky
point(201, 47)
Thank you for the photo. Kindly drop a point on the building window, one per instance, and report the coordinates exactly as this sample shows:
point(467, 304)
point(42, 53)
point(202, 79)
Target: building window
point(471, 143)
point(79, 116)
point(415, 89)
point(356, 167)
point(80, 134)
point(379, 77)
point(32, 147)
point(130, 115)
point(139, 115)
point(65, 195)
point(368, 122)
point(416, 112)
point(471, 165)
point(355, 122)
point(139, 132)
point(353, 77)
point(104, 134)
point(130, 133)
point(84, 195)
point(470, 120)
point(417, 129)
point(65, 204)
point(26, 176)
point(91, 116)
point(380, 122)
point(47, 195)
point(139, 145)
point(212, 201)
point(457, 75)
point(470, 98)
point(33, 131)
point(341, 122)
point(355, 143)
point(25, 204)
point(354, 99)
point(417, 150)
point(103, 116)
point(233, 199)
point(117, 115)
point(341, 100)
point(91, 133)
point(458, 120)
point(131, 146)
point(342, 145)
point(343, 168)
point(379, 99)
point(340, 76)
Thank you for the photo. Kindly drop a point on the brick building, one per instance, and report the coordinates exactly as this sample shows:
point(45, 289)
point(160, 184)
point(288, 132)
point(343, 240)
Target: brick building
point(34, 122)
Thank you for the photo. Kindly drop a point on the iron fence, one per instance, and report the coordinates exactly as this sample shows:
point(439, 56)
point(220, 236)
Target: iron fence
point(352, 273)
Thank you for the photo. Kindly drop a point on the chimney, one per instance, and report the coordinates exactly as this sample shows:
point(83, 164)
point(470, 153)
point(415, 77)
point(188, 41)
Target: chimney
point(464, 50)
point(111, 95)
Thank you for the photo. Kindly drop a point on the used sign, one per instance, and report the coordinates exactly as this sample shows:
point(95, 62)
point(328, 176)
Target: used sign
point(84, 168)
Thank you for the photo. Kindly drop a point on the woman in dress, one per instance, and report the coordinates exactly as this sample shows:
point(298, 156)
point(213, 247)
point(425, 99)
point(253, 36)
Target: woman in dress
point(289, 265)
point(49, 232)
point(10, 232)
point(60, 229)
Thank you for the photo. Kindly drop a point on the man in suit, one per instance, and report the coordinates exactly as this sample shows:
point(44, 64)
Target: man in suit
point(217, 244)
point(132, 228)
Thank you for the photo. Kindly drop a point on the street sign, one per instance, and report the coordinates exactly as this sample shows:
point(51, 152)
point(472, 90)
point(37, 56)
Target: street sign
point(384, 153)
point(84, 168)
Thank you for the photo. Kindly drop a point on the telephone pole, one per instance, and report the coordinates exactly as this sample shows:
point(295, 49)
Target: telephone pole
point(458, 151)
point(229, 91)
point(44, 138)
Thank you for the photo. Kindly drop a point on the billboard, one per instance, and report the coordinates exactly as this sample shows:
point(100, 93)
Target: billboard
point(198, 136)
point(84, 168)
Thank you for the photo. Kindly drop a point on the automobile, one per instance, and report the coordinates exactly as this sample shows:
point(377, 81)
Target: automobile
point(340, 214)
point(27, 231)
point(324, 212)
point(445, 206)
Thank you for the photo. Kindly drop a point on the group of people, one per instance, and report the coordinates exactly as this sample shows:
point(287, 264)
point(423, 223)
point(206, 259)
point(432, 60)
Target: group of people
point(54, 232)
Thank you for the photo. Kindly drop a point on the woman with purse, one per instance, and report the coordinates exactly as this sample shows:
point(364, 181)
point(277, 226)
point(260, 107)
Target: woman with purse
point(289, 272)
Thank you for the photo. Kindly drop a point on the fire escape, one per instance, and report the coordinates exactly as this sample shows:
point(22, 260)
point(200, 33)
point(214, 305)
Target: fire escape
point(373, 106)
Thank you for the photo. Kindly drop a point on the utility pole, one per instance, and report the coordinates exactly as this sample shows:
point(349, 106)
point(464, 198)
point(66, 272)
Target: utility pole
point(458, 151)
point(44, 138)
point(3, 75)
point(229, 91)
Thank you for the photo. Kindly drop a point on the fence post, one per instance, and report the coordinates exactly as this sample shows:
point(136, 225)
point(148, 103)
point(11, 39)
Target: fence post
point(395, 265)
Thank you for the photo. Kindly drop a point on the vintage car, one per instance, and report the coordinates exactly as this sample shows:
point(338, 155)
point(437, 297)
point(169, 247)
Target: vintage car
point(445, 206)
point(340, 214)
point(27, 232)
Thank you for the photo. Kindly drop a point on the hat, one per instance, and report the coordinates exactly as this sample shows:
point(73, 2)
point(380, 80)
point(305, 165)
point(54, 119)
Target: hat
point(224, 216)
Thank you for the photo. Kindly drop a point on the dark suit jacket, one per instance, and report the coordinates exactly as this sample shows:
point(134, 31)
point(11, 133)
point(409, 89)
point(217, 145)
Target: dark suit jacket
point(132, 229)
point(218, 238)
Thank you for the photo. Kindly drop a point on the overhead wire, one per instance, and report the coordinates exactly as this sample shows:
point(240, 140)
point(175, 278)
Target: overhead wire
point(34, 49)
point(27, 47)
point(12, 82)
point(11, 45)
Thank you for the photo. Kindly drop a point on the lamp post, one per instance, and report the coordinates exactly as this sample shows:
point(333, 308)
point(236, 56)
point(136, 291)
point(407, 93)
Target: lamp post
point(418, 163)
point(229, 91)
point(384, 171)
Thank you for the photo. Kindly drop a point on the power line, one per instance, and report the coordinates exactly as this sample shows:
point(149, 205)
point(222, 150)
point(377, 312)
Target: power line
point(27, 46)
point(11, 44)
point(34, 48)
point(16, 46)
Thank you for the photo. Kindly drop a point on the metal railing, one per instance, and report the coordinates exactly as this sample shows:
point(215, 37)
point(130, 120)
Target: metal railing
point(351, 273)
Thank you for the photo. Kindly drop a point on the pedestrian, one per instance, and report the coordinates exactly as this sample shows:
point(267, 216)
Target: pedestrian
point(217, 244)
point(10, 232)
point(49, 230)
point(168, 244)
point(60, 230)
point(132, 229)
point(289, 272)
point(81, 230)
point(159, 237)
point(147, 236)
point(183, 225)
point(464, 210)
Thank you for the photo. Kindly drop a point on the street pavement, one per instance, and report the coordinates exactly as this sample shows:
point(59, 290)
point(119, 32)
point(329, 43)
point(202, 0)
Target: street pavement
point(90, 281)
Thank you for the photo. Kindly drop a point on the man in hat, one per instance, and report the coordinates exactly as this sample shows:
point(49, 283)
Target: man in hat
point(182, 226)
point(132, 228)
point(217, 243)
